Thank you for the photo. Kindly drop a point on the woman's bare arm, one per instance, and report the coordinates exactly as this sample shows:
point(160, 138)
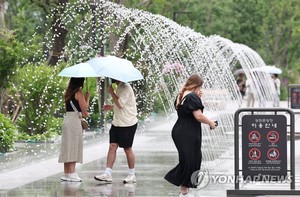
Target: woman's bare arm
point(83, 102)
point(202, 118)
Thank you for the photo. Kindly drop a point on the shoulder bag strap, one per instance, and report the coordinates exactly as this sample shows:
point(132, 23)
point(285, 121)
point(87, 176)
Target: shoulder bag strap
point(75, 109)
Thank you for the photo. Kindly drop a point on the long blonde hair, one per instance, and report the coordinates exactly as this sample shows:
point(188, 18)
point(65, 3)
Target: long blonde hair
point(193, 82)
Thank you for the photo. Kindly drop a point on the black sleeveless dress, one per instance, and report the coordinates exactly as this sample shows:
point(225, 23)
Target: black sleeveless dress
point(187, 136)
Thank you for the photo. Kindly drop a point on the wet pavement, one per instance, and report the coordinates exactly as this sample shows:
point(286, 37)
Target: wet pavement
point(155, 156)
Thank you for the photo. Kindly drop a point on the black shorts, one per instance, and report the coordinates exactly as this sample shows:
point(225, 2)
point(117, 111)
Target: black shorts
point(123, 136)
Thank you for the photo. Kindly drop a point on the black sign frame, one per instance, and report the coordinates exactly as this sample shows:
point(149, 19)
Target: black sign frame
point(268, 111)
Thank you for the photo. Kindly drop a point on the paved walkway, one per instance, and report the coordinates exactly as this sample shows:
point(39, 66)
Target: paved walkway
point(155, 155)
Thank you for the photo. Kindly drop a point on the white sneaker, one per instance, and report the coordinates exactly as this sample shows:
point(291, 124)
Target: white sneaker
point(186, 195)
point(64, 177)
point(73, 177)
point(130, 179)
point(103, 177)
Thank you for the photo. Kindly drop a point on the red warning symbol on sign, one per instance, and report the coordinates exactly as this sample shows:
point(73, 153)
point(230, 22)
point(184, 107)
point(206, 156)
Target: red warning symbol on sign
point(254, 136)
point(273, 154)
point(254, 154)
point(273, 136)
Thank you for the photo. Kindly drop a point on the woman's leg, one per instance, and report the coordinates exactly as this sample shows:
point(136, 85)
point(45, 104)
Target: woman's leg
point(70, 174)
point(184, 189)
point(69, 167)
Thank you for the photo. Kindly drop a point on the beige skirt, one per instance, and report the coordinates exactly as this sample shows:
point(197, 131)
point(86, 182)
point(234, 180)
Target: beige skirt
point(71, 147)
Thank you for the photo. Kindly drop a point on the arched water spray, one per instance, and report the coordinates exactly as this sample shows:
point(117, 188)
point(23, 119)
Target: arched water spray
point(167, 53)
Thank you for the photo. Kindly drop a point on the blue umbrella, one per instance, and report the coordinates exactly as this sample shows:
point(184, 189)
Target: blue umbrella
point(79, 70)
point(115, 68)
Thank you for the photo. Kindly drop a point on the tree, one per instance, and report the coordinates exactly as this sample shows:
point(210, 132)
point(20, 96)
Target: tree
point(59, 33)
point(281, 24)
point(26, 15)
point(10, 54)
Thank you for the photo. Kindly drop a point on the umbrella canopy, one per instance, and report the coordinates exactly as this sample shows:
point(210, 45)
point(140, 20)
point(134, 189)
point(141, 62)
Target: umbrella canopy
point(115, 68)
point(268, 69)
point(79, 70)
point(239, 71)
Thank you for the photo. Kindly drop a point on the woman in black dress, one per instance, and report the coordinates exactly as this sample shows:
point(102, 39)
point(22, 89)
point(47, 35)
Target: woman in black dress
point(187, 134)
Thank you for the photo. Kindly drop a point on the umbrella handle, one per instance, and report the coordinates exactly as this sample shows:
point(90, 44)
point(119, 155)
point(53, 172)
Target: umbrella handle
point(87, 85)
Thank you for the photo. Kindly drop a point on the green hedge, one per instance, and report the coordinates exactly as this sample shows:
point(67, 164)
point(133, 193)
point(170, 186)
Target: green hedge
point(39, 91)
point(7, 134)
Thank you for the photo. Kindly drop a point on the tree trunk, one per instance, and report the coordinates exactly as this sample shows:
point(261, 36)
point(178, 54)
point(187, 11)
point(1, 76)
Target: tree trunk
point(114, 38)
point(59, 33)
point(2, 19)
point(284, 53)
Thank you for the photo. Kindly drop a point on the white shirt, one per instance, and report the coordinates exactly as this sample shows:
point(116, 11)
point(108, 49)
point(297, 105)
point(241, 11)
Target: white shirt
point(249, 85)
point(277, 85)
point(125, 116)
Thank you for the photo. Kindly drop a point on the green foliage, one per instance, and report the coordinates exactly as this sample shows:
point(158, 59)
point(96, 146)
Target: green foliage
point(159, 104)
point(40, 92)
point(281, 26)
point(25, 20)
point(45, 137)
point(109, 115)
point(10, 54)
point(25, 23)
point(90, 85)
point(7, 134)
point(93, 120)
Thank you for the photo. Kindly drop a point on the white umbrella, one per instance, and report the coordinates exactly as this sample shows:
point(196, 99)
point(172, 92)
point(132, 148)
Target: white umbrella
point(79, 70)
point(268, 69)
point(239, 71)
point(115, 68)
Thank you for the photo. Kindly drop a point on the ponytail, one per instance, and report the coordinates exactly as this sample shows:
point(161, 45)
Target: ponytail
point(179, 98)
